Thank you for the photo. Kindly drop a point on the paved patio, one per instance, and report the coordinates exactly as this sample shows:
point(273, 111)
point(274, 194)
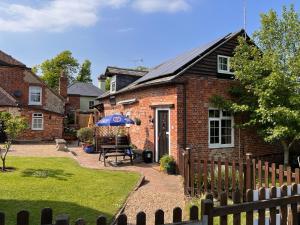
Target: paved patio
point(158, 191)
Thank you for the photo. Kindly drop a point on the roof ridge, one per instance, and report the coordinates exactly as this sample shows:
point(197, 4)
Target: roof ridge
point(121, 68)
point(9, 59)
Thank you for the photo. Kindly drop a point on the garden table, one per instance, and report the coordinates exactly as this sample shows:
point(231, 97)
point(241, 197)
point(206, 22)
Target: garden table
point(114, 151)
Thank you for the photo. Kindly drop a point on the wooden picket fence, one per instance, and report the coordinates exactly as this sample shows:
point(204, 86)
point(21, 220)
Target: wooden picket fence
point(268, 209)
point(214, 176)
point(23, 218)
point(266, 206)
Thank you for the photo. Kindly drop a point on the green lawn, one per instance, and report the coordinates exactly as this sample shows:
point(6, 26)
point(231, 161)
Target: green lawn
point(60, 183)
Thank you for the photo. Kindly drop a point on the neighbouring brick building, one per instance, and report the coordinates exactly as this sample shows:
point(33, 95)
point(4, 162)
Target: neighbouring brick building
point(81, 101)
point(172, 101)
point(24, 93)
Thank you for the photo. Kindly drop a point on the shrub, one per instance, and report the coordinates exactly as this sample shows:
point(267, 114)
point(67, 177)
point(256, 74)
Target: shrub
point(85, 135)
point(167, 162)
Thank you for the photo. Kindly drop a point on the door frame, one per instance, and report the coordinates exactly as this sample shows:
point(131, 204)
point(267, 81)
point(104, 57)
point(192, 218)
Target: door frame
point(156, 131)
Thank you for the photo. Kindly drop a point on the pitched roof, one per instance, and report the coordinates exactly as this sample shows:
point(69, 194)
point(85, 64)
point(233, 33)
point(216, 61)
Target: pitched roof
point(111, 70)
point(173, 65)
point(84, 89)
point(6, 99)
point(172, 68)
point(6, 59)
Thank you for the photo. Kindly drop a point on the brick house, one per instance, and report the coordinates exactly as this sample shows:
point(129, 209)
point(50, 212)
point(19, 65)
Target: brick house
point(172, 102)
point(24, 93)
point(80, 102)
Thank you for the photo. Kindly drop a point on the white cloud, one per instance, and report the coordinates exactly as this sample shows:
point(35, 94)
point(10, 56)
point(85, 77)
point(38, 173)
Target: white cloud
point(57, 15)
point(150, 6)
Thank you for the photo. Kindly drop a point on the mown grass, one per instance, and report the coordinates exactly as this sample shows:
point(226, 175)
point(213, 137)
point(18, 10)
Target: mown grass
point(60, 183)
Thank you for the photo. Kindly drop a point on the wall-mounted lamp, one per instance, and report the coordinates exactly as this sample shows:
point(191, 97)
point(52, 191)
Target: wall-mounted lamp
point(151, 120)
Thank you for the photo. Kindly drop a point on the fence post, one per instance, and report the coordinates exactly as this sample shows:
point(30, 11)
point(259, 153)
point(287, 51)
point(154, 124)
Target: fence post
point(141, 218)
point(294, 217)
point(101, 220)
point(273, 194)
point(188, 168)
point(208, 211)
point(122, 220)
point(223, 202)
point(23, 218)
point(283, 208)
point(249, 198)
point(194, 211)
point(177, 215)
point(2, 218)
point(236, 195)
point(159, 217)
point(46, 216)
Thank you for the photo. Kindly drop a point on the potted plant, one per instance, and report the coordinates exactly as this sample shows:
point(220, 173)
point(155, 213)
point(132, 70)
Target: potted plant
point(138, 121)
point(168, 164)
point(86, 135)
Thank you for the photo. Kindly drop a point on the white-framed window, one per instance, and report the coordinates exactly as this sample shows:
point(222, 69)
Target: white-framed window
point(221, 131)
point(113, 84)
point(91, 104)
point(224, 64)
point(35, 95)
point(37, 121)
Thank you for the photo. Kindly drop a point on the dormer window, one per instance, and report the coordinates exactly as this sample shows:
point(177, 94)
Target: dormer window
point(35, 95)
point(224, 64)
point(113, 84)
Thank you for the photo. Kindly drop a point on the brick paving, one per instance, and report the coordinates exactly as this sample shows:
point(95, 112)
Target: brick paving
point(158, 191)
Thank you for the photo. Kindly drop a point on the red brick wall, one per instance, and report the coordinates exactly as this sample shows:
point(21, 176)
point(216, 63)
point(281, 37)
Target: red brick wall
point(12, 79)
point(53, 126)
point(199, 92)
point(143, 136)
point(73, 102)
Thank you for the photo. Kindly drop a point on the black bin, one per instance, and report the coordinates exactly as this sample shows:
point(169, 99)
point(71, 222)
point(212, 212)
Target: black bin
point(148, 156)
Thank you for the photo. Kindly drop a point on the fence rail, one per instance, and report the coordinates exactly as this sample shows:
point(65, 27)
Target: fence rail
point(270, 206)
point(216, 175)
point(269, 210)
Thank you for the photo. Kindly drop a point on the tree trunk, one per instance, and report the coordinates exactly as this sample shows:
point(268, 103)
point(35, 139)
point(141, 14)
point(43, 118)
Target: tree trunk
point(286, 156)
point(3, 164)
point(286, 149)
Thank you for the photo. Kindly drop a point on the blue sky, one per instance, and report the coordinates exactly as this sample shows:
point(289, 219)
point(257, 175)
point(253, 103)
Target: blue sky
point(120, 32)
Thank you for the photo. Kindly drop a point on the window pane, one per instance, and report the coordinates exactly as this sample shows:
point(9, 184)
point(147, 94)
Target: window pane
point(214, 132)
point(226, 113)
point(214, 113)
point(35, 94)
point(226, 132)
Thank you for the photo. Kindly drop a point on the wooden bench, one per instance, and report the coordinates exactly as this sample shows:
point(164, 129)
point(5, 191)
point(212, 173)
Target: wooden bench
point(61, 145)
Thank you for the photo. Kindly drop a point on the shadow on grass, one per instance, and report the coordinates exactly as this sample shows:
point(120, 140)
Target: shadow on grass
point(75, 211)
point(58, 174)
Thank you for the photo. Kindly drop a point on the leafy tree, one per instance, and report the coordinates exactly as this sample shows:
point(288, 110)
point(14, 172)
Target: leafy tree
point(51, 68)
point(142, 68)
point(84, 74)
point(268, 75)
point(14, 126)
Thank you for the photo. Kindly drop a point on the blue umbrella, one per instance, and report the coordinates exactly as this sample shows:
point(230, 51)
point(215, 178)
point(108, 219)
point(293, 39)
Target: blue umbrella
point(114, 120)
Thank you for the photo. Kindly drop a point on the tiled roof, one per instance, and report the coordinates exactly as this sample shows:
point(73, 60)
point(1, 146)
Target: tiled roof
point(84, 89)
point(6, 99)
point(6, 59)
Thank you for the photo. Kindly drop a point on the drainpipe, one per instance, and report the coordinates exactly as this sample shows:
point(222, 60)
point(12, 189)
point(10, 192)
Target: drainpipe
point(184, 118)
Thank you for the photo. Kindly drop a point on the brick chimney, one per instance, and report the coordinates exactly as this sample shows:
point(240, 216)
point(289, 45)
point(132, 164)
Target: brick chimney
point(63, 84)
